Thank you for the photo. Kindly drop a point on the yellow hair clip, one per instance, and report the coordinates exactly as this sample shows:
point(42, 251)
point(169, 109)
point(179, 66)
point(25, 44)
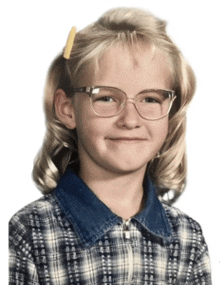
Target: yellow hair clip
point(69, 43)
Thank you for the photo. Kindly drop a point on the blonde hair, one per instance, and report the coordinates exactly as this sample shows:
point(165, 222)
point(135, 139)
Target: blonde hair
point(127, 26)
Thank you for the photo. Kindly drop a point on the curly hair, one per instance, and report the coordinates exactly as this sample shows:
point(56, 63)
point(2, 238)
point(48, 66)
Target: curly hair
point(127, 26)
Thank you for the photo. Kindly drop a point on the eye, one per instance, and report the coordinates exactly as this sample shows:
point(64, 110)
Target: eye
point(151, 100)
point(107, 95)
point(105, 99)
point(151, 97)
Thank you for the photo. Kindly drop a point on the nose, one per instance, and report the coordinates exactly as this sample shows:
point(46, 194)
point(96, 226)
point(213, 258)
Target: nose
point(129, 117)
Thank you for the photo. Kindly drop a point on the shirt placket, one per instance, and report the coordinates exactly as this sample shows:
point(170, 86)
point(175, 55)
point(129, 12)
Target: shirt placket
point(130, 255)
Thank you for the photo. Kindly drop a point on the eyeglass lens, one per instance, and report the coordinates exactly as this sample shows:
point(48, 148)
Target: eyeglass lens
point(151, 104)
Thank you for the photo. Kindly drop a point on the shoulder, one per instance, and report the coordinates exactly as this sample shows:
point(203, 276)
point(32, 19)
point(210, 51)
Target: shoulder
point(180, 221)
point(189, 240)
point(185, 229)
point(40, 207)
point(39, 212)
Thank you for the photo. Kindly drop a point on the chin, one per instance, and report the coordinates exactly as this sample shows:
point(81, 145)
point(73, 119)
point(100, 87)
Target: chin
point(126, 168)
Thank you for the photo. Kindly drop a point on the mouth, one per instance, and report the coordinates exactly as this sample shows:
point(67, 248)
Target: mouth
point(128, 139)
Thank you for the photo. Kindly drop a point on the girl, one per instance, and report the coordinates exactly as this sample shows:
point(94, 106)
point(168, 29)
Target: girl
point(112, 163)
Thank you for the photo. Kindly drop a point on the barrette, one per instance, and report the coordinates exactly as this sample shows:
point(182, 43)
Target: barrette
point(69, 43)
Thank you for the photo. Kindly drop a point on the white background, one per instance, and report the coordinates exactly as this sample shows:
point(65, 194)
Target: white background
point(34, 32)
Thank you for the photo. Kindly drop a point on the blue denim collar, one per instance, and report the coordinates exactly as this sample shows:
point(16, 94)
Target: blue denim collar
point(92, 219)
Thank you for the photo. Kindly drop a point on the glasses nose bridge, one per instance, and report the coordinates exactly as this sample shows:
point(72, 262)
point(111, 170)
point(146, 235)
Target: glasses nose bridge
point(131, 100)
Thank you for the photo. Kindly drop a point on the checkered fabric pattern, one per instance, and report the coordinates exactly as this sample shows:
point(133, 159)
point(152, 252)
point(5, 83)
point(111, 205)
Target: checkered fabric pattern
point(45, 249)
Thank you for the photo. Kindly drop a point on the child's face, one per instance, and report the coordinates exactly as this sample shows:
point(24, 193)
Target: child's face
point(126, 142)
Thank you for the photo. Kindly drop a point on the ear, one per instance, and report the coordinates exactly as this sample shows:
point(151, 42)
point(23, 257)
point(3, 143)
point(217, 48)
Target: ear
point(64, 109)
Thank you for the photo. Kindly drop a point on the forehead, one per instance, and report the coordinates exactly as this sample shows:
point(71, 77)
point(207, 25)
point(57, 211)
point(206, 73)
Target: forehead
point(139, 64)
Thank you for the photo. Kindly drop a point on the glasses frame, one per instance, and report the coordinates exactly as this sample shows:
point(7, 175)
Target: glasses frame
point(88, 90)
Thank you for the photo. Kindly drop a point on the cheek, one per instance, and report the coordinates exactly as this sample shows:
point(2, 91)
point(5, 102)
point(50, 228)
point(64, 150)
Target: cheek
point(159, 130)
point(88, 125)
point(87, 130)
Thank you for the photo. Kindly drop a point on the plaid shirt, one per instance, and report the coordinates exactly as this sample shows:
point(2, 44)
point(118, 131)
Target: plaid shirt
point(70, 237)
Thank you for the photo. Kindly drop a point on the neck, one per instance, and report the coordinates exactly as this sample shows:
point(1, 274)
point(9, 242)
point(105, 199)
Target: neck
point(122, 193)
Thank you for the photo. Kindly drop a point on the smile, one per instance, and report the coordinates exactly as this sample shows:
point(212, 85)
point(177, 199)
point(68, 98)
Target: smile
point(127, 140)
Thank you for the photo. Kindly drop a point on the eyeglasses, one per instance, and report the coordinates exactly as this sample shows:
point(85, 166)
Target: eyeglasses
point(151, 104)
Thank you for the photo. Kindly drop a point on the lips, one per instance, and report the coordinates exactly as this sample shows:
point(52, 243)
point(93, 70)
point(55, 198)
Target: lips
point(127, 139)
